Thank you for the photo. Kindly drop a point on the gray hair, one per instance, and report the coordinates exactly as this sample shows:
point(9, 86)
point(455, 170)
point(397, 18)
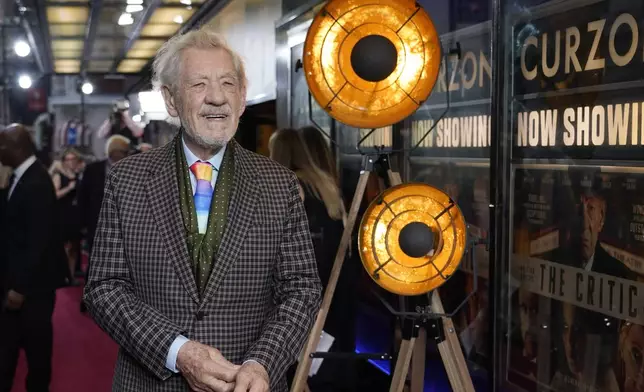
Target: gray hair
point(168, 59)
point(167, 62)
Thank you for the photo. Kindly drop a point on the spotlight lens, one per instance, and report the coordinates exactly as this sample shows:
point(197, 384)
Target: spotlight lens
point(22, 49)
point(24, 81)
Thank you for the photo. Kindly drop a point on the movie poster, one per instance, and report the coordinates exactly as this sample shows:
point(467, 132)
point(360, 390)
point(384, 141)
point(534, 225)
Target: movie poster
point(576, 267)
point(468, 185)
point(576, 278)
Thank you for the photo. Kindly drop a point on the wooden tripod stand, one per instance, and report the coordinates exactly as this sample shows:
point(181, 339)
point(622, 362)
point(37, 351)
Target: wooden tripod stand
point(414, 336)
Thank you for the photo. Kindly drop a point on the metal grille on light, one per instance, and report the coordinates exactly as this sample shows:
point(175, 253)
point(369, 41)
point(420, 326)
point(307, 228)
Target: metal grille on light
point(371, 63)
point(412, 238)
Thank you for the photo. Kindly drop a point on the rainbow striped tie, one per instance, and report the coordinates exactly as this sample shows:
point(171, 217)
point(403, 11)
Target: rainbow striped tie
point(203, 194)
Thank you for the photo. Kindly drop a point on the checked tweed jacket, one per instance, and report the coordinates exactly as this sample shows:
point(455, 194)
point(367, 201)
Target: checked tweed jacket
point(263, 293)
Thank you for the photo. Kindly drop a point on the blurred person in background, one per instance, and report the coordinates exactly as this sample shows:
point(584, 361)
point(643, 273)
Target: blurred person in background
point(90, 195)
point(66, 181)
point(320, 151)
point(143, 147)
point(32, 262)
point(120, 123)
point(326, 215)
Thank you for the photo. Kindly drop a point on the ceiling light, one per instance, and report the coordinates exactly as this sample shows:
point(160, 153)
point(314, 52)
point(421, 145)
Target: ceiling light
point(186, 2)
point(133, 8)
point(135, 2)
point(87, 88)
point(22, 48)
point(178, 19)
point(24, 81)
point(125, 19)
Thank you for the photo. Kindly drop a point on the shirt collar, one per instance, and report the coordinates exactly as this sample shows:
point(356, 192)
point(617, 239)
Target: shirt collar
point(22, 168)
point(191, 158)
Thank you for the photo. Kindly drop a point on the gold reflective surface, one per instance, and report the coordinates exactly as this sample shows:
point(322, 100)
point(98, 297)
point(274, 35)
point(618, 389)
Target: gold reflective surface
point(327, 60)
point(380, 228)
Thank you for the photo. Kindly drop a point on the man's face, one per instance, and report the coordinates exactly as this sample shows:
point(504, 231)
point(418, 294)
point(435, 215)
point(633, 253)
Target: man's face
point(593, 213)
point(574, 340)
point(118, 153)
point(209, 97)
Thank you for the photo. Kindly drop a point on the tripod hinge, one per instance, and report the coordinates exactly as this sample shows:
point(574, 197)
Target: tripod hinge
point(436, 330)
point(376, 162)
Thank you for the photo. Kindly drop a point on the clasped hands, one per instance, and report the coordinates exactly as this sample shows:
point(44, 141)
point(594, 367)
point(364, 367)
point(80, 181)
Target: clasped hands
point(206, 370)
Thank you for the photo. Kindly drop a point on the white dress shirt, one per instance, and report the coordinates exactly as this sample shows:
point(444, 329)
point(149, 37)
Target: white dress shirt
point(215, 161)
point(589, 264)
point(19, 172)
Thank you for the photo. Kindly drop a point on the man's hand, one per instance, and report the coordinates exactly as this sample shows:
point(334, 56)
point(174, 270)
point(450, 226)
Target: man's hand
point(14, 300)
point(252, 377)
point(205, 369)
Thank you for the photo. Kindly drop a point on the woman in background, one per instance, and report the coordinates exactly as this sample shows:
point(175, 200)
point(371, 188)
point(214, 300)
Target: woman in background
point(65, 178)
point(326, 213)
point(320, 151)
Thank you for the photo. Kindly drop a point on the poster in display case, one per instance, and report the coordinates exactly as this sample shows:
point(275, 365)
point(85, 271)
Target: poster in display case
point(463, 88)
point(300, 97)
point(577, 277)
point(467, 183)
point(454, 157)
point(576, 282)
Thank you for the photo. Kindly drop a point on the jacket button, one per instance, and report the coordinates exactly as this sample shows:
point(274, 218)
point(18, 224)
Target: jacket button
point(200, 315)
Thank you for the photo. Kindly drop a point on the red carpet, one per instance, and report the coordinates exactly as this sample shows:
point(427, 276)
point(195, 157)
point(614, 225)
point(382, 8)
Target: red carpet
point(84, 356)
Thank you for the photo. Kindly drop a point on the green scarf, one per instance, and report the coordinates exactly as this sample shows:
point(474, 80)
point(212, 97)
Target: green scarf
point(203, 247)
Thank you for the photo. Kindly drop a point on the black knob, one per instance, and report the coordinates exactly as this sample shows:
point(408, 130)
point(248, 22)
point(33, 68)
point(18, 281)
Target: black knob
point(416, 239)
point(374, 58)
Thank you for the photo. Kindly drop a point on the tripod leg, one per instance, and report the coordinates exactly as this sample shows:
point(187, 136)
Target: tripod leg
point(402, 365)
point(418, 362)
point(451, 352)
point(394, 178)
point(304, 366)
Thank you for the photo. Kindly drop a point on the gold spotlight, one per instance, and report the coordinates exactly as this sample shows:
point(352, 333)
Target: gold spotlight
point(412, 238)
point(371, 63)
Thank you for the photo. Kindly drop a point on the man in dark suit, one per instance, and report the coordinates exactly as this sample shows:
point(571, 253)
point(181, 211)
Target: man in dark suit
point(90, 197)
point(32, 262)
point(203, 268)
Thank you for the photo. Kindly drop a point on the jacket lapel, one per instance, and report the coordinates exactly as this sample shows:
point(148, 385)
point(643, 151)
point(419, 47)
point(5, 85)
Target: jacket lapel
point(240, 213)
point(163, 194)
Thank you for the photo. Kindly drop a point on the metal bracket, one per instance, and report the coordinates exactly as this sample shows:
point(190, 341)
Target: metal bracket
point(410, 328)
point(436, 330)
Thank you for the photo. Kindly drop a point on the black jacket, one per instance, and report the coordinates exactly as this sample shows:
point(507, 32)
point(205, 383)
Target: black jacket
point(32, 255)
point(90, 196)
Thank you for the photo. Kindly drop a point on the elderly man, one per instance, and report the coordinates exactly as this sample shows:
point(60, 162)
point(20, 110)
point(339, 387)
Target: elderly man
point(203, 268)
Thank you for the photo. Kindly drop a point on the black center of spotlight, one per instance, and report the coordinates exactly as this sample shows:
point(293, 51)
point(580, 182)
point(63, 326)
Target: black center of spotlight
point(416, 239)
point(373, 58)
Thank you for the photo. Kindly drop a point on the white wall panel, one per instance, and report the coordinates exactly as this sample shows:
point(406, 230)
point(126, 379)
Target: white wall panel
point(249, 28)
